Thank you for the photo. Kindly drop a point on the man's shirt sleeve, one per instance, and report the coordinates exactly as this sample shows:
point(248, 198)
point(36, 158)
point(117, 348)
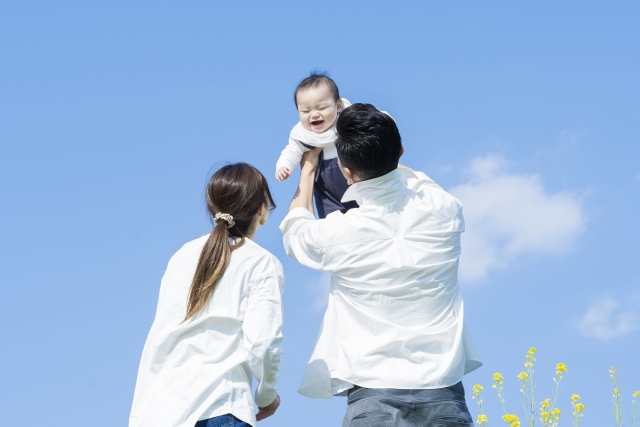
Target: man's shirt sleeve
point(303, 236)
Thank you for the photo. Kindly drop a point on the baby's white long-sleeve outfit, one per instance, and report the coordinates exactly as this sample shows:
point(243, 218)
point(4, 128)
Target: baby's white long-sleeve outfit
point(330, 184)
point(302, 140)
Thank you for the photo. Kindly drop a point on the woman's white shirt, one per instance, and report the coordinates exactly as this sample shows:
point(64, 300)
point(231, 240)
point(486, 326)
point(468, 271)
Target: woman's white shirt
point(203, 368)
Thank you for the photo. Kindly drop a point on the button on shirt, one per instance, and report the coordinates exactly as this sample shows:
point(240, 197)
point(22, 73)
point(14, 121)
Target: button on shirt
point(395, 317)
point(203, 368)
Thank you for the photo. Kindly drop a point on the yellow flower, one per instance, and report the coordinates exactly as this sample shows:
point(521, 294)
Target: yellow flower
point(556, 413)
point(616, 392)
point(482, 419)
point(477, 389)
point(561, 368)
point(575, 398)
point(523, 376)
point(513, 420)
point(545, 404)
point(579, 407)
point(530, 358)
point(636, 393)
point(497, 377)
point(545, 416)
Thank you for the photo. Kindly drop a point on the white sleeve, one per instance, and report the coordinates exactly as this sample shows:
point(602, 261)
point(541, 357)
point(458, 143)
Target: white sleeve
point(302, 237)
point(148, 367)
point(262, 329)
point(291, 155)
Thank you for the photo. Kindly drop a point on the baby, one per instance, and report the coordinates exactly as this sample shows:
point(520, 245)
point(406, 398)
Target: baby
point(318, 102)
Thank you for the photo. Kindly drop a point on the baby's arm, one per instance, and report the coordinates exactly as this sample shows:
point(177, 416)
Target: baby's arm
point(289, 158)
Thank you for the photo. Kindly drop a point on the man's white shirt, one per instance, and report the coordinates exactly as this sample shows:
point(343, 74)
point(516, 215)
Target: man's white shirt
point(395, 317)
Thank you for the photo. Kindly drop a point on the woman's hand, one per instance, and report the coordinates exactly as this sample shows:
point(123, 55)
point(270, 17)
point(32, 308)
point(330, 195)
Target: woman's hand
point(267, 411)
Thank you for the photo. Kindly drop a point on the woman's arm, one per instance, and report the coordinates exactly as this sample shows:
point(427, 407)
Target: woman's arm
point(262, 330)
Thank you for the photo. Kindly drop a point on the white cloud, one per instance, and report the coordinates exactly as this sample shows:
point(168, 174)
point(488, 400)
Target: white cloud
point(509, 214)
point(603, 321)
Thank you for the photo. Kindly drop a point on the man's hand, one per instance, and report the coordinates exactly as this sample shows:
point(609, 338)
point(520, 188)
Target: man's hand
point(267, 411)
point(311, 159)
point(282, 174)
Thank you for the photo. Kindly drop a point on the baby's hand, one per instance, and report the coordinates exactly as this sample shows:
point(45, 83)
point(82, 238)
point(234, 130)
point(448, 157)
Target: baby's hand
point(282, 174)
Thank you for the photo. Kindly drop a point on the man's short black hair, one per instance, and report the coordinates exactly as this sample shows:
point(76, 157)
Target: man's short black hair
point(368, 141)
point(315, 79)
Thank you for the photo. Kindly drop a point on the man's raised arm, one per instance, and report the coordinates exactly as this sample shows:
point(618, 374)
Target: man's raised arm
point(308, 167)
point(302, 233)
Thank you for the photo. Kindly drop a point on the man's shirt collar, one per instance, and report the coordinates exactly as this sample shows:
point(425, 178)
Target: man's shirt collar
point(377, 189)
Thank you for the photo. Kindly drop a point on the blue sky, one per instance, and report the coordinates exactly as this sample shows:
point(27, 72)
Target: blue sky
point(112, 115)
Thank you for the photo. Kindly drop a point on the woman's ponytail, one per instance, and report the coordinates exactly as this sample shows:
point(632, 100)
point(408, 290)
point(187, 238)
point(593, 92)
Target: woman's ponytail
point(212, 264)
point(235, 194)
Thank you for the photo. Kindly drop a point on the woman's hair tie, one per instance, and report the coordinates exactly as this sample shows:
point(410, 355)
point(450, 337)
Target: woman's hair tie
point(226, 218)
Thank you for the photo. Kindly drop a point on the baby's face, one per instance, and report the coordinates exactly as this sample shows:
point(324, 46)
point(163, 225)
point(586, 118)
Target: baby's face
point(317, 108)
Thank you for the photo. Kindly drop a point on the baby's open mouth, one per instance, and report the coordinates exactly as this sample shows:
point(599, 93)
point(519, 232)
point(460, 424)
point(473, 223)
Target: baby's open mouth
point(317, 122)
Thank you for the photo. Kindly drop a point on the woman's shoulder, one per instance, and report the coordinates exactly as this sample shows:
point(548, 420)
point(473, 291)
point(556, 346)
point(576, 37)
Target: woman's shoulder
point(256, 258)
point(191, 247)
point(251, 258)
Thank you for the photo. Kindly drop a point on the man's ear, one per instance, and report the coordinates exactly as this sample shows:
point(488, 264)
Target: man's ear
point(348, 174)
point(401, 151)
point(351, 176)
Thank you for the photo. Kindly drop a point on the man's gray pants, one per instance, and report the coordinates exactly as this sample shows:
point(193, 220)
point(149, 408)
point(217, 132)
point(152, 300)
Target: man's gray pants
point(384, 407)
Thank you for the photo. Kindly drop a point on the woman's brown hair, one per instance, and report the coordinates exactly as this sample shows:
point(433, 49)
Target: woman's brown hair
point(239, 190)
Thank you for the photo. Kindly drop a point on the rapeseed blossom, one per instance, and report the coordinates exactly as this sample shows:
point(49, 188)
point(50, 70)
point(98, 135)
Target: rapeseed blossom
point(523, 377)
point(617, 402)
point(545, 416)
point(545, 403)
point(549, 413)
point(634, 405)
point(499, 381)
point(482, 418)
point(577, 409)
point(528, 389)
point(545, 412)
point(498, 378)
point(513, 420)
point(530, 357)
point(551, 416)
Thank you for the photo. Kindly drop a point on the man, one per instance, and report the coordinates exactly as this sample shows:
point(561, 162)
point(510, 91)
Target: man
point(393, 337)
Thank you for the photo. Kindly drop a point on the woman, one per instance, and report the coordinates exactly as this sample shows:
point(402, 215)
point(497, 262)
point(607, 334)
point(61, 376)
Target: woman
point(218, 320)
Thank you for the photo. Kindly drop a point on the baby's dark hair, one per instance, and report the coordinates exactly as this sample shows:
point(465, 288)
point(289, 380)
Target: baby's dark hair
point(315, 79)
